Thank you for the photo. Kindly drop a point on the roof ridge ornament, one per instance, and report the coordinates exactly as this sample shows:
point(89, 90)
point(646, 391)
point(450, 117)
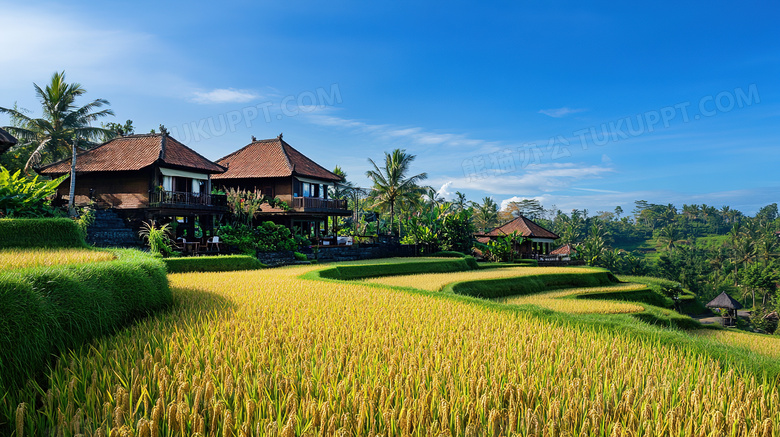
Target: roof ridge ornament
point(280, 136)
point(163, 140)
point(253, 138)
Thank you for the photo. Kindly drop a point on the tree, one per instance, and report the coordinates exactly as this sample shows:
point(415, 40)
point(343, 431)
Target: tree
point(670, 236)
point(485, 214)
point(530, 208)
point(460, 202)
point(391, 183)
point(61, 123)
point(757, 277)
point(118, 129)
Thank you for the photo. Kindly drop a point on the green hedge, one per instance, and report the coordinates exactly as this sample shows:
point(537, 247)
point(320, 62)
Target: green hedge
point(212, 264)
point(47, 310)
point(666, 318)
point(48, 232)
point(647, 296)
point(493, 288)
point(447, 254)
point(362, 271)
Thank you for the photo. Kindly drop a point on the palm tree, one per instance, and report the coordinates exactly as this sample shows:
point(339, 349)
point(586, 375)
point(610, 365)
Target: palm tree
point(460, 202)
point(670, 236)
point(485, 214)
point(62, 122)
point(391, 183)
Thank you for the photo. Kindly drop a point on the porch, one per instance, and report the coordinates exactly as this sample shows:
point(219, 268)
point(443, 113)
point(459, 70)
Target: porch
point(316, 204)
point(188, 200)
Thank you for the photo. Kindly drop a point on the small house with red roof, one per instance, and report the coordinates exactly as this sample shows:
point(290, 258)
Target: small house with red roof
point(533, 240)
point(276, 169)
point(565, 252)
point(143, 177)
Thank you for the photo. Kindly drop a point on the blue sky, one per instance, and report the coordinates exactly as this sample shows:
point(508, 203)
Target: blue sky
point(579, 106)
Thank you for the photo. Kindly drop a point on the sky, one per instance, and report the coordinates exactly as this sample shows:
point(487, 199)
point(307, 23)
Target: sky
point(580, 106)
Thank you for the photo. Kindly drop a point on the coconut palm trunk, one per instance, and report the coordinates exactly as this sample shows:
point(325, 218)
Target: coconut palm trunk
point(72, 193)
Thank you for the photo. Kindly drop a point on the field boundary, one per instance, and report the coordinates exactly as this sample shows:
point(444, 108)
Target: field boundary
point(47, 310)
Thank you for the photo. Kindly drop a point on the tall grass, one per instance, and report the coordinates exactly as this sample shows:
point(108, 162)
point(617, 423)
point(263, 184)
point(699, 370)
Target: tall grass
point(13, 259)
point(266, 353)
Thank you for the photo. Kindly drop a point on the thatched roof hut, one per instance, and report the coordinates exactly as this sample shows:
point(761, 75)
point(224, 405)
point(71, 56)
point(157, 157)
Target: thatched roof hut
point(6, 141)
point(724, 301)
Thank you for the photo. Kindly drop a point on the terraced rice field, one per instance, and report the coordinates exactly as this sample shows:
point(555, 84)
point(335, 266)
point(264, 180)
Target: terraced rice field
point(265, 353)
point(12, 259)
point(437, 281)
point(562, 300)
point(762, 344)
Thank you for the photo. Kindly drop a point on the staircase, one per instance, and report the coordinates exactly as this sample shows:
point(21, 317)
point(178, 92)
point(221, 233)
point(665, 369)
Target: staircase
point(109, 230)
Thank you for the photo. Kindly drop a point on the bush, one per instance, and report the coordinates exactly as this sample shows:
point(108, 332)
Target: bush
point(48, 232)
point(23, 197)
point(50, 309)
point(493, 288)
point(300, 257)
point(268, 237)
point(212, 264)
point(362, 271)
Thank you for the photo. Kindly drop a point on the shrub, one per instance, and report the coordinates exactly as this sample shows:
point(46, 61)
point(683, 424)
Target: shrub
point(268, 237)
point(158, 238)
point(300, 257)
point(48, 310)
point(23, 197)
point(212, 264)
point(48, 232)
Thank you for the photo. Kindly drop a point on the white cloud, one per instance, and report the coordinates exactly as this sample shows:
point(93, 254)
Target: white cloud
point(444, 191)
point(535, 179)
point(506, 202)
point(224, 95)
point(411, 135)
point(560, 112)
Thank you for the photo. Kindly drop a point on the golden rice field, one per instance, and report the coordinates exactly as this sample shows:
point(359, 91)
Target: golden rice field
point(763, 344)
point(557, 300)
point(437, 281)
point(11, 259)
point(264, 353)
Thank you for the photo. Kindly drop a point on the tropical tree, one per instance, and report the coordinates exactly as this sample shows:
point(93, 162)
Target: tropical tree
point(670, 236)
point(62, 123)
point(460, 203)
point(485, 214)
point(391, 183)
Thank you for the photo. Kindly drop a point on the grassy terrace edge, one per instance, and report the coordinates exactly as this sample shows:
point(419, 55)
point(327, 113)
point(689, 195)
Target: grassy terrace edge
point(655, 325)
point(224, 263)
point(47, 310)
point(363, 271)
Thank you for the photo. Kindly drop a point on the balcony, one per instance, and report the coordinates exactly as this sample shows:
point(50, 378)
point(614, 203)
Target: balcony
point(185, 200)
point(315, 204)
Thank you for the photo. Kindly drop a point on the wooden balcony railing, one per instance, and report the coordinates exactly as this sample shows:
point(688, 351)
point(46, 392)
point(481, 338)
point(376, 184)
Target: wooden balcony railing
point(187, 200)
point(315, 203)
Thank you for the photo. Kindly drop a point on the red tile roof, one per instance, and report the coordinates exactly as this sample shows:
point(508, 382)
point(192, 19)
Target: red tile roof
point(524, 227)
point(566, 249)
point(134, 152)
point(271, 158)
